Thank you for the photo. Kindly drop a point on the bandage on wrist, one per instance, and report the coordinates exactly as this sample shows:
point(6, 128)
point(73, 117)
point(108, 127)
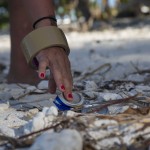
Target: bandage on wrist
point(40, 39)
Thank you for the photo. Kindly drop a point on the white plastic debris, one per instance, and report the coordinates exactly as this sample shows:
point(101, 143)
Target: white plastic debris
point(43, 85)
point(65, 140)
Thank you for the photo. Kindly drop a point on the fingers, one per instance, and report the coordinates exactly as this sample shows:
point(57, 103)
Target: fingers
point(58, 62)
point(43, 63)
point(52, 84)
point(67, 80)
point(62, 76)
point(56, 70)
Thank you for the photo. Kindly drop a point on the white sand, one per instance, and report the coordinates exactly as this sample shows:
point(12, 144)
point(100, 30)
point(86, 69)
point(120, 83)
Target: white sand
point(90, 50)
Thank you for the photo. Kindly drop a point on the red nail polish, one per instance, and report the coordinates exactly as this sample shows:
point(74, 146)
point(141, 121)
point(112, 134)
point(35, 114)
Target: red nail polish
point(62, 87)
point(42, 75)
point(70, 96)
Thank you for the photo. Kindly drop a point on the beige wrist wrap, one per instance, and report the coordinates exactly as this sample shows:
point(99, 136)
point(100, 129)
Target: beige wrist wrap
point(42, 38)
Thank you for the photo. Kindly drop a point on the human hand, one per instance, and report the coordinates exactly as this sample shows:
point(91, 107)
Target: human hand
point(56, 59)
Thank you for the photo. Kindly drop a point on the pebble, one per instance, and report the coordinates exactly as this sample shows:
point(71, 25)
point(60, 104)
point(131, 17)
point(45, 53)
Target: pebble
point(3, 107)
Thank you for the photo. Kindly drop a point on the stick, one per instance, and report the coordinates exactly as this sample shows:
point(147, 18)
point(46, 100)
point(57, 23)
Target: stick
point(112, 102)
point(94, 71)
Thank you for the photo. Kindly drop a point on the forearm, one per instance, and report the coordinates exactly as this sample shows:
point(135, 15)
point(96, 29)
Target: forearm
point(39, 8)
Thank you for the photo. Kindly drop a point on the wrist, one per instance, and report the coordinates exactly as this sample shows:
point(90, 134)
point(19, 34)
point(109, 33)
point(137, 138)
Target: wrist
point(45, 21)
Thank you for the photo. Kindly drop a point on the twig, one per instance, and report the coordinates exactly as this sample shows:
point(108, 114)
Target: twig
point(135, 67)
point(138, 70)
point(42, 130)
point(21, 86)
point(112, 102)
point(94, 71)
point(28, 92)
point(25, 94)
point(22, 140)
point(11, 140)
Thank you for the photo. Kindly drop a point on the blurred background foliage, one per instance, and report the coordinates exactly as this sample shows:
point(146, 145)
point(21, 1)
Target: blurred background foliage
point(4, 15)
point(86, 12)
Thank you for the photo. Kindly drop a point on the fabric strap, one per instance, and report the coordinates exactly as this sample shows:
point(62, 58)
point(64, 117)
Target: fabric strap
point(42, 38)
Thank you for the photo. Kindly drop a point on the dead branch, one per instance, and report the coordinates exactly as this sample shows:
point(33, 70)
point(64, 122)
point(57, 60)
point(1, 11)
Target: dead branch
point(100, 68)
point(111, 102)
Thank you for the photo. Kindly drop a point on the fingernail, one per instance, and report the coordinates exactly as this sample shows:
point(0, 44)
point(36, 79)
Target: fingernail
point(70, 96)
point(62, 87)
point(42, 75)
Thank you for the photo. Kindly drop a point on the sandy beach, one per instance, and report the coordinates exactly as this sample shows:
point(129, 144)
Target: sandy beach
point(25, 109)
